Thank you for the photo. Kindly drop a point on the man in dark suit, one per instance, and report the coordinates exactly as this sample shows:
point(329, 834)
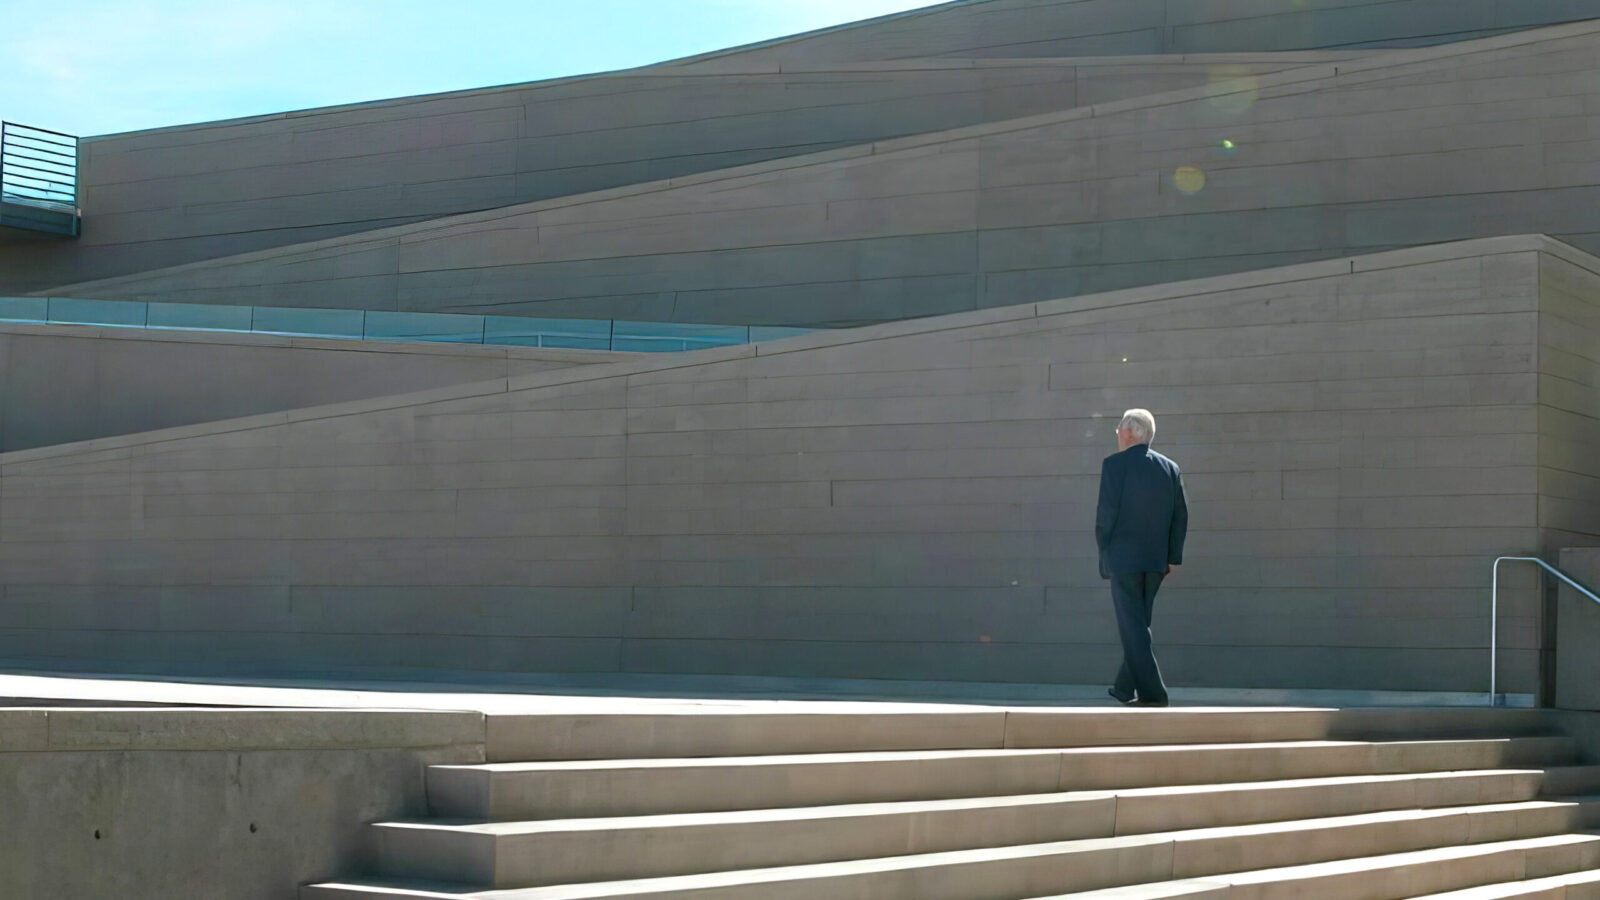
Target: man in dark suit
point(1139, 525)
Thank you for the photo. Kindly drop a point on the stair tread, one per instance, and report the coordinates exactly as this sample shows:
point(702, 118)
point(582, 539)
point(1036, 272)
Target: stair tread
point(756, 816)
point(1195, 888)
point(597, 890)
point(924, 755)
point(1512, 889)
point(1024, 851)
point(1288, 873)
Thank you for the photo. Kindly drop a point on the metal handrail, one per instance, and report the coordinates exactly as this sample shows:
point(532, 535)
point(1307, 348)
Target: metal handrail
point(1494, 609)
point(46, 131)
point(38, 166)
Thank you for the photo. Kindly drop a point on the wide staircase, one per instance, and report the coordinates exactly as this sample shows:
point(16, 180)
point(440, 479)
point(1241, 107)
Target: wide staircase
point(1005, 805)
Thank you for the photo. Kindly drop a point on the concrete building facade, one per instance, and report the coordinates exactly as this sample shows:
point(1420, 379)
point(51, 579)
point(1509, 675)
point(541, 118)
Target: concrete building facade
point(911, 500)
point(1344, 251)
point(1403, 148)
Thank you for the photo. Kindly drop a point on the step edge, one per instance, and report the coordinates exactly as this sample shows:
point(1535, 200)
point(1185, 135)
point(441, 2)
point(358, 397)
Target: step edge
point(458, 824)
point(669, 763)
point(1377, 861)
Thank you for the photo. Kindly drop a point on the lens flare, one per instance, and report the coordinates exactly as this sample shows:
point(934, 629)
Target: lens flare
point(1189, 179)
point(1232, 89)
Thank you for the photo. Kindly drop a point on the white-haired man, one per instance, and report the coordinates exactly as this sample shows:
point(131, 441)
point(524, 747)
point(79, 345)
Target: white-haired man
point(1140, 525)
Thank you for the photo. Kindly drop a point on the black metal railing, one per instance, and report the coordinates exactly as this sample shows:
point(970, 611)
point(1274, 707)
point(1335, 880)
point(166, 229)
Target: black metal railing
point(38, 167)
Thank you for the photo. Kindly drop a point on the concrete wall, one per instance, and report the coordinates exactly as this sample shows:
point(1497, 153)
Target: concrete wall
point(1569, 397)
point(913, 500)
point(1457, 142)
point(225, 804)
point(64, 383)
point(1026, 28)
point(170, 196)
point(1582, 726)
point(1569, 467)
point(1578, 632)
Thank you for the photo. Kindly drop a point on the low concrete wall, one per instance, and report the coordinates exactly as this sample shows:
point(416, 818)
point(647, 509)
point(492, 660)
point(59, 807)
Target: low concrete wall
point(220, 804)
point(64, 383)
point(1578, 635)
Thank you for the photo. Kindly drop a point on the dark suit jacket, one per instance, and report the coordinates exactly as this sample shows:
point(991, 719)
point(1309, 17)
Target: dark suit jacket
point(1143, 515)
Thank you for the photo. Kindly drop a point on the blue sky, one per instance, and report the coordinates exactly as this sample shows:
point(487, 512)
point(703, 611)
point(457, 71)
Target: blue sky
point(101, 66)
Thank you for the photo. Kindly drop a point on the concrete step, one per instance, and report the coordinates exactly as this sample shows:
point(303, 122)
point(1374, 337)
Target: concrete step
point(1570, 886)
point(1392, 876)
point(1591, 806)
point(1333, 850)
point(701, 730)
point(511, 854)
point(1571, 781)
point(590, 788)
point(1166, 890)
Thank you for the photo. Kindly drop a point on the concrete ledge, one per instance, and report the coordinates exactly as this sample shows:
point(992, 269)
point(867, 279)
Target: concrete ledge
point(84, 681)
point(235, 729)
point(24, 729)
point(268, 729)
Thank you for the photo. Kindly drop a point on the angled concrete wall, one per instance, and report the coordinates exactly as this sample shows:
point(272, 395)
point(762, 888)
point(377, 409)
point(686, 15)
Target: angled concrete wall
point(1413, 147)
point(908, 501)
point(1028, 28)
point(64, 383)
point(170, 196)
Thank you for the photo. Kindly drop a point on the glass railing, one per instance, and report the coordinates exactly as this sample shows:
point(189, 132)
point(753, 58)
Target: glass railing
point(38, 167)
point(377, 325)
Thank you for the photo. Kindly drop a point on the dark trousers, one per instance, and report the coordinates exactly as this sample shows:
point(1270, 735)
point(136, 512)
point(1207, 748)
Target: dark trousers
point(1134, 596)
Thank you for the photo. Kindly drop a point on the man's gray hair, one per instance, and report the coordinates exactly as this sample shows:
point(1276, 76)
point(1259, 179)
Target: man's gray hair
point(1141, 422)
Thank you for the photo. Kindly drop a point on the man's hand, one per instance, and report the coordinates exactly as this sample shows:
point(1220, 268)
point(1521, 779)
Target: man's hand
point(1172, 568)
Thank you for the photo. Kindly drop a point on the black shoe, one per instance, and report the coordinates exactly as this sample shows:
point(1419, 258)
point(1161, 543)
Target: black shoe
point(1162, 702)
point(1125, 701)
